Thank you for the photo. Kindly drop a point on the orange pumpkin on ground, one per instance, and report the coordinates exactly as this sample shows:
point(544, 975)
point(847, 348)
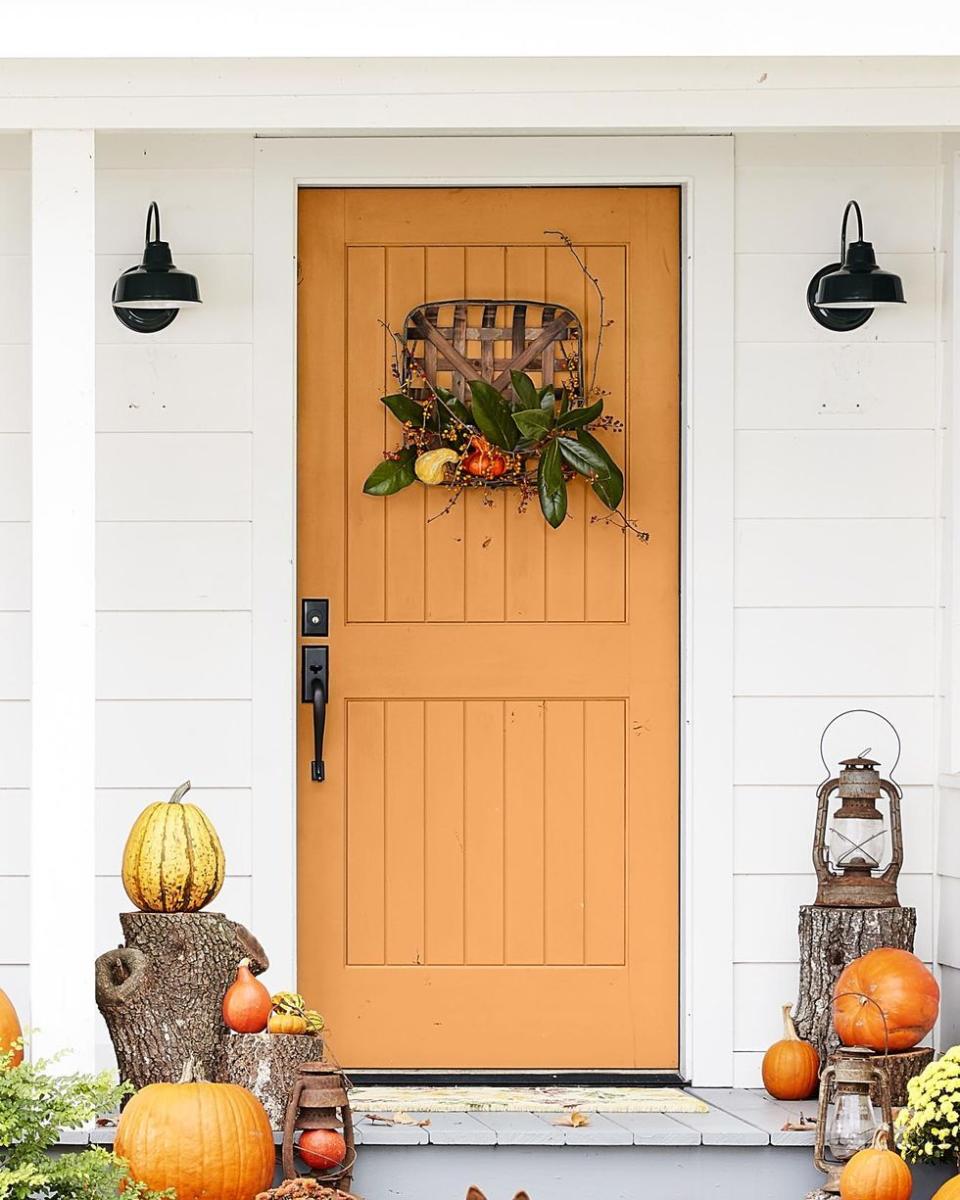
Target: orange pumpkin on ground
point(322, 1148)
point(207, 1141)
point(950, 1190)
point(791, 1067)
point(10, 1030)
point(886, 985)
point(876, 1173)
point(246, 1003)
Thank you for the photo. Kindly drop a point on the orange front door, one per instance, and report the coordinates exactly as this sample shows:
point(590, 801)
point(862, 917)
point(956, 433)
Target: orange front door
point(488, 875)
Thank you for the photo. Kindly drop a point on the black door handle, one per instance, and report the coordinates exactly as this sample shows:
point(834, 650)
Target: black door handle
point(315, 690)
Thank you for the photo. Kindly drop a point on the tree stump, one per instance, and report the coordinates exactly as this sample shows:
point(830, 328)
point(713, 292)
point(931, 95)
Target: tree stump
point(161, 993)
point(830, 938)
point(268, 1065)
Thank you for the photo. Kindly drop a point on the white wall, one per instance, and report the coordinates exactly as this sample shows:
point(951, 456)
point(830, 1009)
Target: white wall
point(837, 500)
point(14, 565)
point(836, 521)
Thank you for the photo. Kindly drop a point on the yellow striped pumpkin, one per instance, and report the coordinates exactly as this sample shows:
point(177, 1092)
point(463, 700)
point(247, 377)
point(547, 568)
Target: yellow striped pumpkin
point(173, 860)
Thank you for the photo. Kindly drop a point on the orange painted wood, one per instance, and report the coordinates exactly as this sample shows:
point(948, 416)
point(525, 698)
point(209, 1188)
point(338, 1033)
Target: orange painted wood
point(489, 875)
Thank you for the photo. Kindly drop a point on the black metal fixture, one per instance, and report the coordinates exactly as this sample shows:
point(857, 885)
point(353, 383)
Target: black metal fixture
point(315, 690)
point(843, 295)
point(146, 298)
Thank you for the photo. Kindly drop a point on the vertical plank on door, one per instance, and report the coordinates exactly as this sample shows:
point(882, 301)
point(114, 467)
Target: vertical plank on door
point(525, 534)
point(606, 548)
point(366, 515)
point(485, 525)
point(563, 792)
point(443, 813)
point(406, 522)
point(403, 830)
point(483, 821)
point(604, 740)
point(523, 831)
point(444, 545)
point(365, 832)
point(565, 546)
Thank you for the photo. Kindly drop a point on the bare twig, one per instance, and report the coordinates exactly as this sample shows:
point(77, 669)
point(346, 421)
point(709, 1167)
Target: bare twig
point(448, 506)
point(621, 521)
point(568, 242)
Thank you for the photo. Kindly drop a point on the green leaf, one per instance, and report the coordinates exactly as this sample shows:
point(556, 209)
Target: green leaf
point(450, 407)
point(588, 457)
point(491, 415)
point(392, 475)
point(533, 422)
point(564, 398)
point(551, 485)
point(581, 416)
point(525, 390)
point(405, 409)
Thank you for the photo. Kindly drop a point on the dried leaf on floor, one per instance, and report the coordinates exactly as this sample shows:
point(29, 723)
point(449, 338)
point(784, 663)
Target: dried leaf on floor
point(800, 1126)
point(397, 1118)
point(573, 1119)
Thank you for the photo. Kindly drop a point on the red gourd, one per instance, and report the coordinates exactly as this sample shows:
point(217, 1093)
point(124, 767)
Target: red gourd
point(322, 1148)
point(247, 1004)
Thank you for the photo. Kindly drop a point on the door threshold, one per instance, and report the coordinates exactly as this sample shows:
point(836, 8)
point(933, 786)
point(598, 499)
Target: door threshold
point(371, 1077)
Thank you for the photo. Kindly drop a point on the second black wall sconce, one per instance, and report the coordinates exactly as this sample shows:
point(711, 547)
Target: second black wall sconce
point(843, 295)
point(146, 298)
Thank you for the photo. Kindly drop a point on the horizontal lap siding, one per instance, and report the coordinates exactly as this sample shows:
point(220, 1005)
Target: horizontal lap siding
point(15, 568)
point(173, 509)
point(835, 559)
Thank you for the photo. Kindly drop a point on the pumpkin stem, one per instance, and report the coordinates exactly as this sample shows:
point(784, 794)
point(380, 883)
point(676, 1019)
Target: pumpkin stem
point(789, 1029)
point(244, 962)
point(189, 1073)
point(181, 791)
point(881, 1139)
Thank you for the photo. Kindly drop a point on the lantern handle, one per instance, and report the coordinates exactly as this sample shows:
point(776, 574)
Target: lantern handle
point(872, 713)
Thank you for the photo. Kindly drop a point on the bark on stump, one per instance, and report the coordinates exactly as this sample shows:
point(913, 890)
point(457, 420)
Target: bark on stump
point(161, 993)
point(830, 938)
point(268, 1064)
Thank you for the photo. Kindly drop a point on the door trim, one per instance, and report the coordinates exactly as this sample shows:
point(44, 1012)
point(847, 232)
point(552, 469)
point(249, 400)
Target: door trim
point(703, 167)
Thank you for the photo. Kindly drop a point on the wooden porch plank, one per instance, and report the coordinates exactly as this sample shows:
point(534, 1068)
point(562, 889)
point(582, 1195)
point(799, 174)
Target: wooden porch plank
point(372, 1133)
point(602, 1130)
point(757, 1109)
point(456, 1129)
point(720, 1128)
point(655, 1129)
point(521, 1129)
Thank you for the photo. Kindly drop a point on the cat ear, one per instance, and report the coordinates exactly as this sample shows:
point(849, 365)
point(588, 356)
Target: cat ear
point(521, 1196)
point(474, 1193)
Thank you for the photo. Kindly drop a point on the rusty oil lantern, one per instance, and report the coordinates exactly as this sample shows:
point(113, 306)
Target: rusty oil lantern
point(857, 852)
point(846, 1118)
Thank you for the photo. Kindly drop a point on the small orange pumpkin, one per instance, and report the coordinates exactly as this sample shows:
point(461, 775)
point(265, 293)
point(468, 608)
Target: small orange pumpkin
point(322, 1148)
point(286, 1022)
point(886, 998)
point(876, 1173)
point(246, 1004)
point(950, 1190)
point(484, 460)
point(791, 1066)
point(10, 1030)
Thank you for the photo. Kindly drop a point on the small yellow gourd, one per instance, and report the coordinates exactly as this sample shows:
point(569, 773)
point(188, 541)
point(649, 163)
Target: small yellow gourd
point(431, 466)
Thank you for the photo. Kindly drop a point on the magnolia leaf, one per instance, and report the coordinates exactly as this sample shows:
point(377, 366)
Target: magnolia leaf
point(580, 416)
point(551, 485)
point(405, 408)
point(451, 410)
point(525, 390)
point(491, 415)
point(533, 422)
point(589, 458)
point(392, 475)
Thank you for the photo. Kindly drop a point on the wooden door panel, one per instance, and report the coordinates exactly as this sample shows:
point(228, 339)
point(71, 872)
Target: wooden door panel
point(488, 877)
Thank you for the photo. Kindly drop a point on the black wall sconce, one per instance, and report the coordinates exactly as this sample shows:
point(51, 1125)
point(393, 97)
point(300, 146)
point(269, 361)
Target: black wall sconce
point(146, 298)
point(843, 295)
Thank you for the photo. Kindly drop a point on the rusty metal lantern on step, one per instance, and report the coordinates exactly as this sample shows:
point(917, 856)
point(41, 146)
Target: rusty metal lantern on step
point(846, 1118)
point(857, 850)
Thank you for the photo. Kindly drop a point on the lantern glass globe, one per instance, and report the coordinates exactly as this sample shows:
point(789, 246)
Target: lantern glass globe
point(858, 843)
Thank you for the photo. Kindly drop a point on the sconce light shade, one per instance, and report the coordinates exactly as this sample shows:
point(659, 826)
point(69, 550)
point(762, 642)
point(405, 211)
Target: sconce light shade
point(146, 298)
point(843, 295)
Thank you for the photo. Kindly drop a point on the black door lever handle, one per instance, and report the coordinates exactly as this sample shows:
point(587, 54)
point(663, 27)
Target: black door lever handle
point(315, 690)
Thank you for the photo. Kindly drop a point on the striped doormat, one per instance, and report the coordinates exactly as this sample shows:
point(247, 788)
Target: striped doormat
point(533, 1099)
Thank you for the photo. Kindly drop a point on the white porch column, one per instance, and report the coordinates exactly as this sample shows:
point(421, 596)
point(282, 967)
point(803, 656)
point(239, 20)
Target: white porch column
point(62, 940)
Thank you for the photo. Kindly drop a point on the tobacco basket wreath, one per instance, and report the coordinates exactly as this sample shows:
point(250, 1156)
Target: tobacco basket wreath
point(522, 418)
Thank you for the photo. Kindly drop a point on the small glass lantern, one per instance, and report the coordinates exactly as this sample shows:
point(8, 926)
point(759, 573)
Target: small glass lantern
point(846, 1118)
point(852, 844)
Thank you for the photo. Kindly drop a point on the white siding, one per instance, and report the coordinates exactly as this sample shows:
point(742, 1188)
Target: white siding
point(15, 565)
point(836, 488)
point(173, 509)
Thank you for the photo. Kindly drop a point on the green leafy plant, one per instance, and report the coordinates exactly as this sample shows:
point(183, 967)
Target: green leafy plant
point(928, 1128)
point(35, 1105)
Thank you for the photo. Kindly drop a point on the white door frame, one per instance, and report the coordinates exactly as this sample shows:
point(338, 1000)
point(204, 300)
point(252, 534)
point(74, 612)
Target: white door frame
point(703, 167)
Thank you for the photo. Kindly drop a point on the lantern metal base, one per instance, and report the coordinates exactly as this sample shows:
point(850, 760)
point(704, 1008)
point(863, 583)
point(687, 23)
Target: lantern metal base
point(857, 891)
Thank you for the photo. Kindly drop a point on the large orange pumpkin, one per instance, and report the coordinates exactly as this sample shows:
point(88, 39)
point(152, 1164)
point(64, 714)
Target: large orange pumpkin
point(790, 1067)
point(10, 1030)
point(207, 1141)
point(887, 998)
point(876, 1173)
point(246, 1004)
point(950, 1190)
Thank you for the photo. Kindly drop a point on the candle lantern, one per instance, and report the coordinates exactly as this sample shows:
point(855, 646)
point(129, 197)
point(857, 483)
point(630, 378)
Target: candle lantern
point(857, 851)
point(846, 1118)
